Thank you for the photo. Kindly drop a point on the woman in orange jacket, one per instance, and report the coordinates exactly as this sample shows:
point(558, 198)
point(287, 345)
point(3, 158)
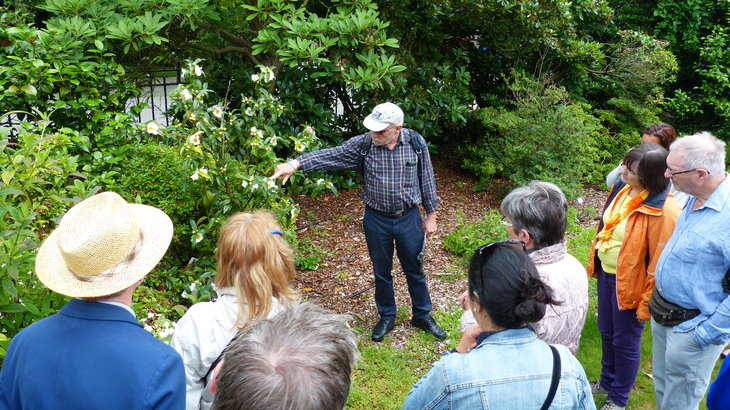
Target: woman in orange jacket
point(638, 219)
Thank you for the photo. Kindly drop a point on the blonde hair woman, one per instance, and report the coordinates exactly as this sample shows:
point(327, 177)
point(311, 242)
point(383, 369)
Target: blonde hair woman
point(254, 267)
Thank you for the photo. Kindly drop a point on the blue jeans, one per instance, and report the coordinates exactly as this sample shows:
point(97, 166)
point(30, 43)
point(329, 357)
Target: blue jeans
point(682, 368)
point(407, 233)
point(620, 342)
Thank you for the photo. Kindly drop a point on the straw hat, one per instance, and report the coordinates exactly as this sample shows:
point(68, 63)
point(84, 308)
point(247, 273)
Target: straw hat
point(103, 245)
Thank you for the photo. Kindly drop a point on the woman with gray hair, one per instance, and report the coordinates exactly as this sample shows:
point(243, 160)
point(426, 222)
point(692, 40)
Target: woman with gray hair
point(537, 215)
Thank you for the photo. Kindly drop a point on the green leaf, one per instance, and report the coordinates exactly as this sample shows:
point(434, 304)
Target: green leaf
point(13, 308)
point(11, 191)
point(32, 309)
point(9, 288)
point(99, 44)
point(29, 89)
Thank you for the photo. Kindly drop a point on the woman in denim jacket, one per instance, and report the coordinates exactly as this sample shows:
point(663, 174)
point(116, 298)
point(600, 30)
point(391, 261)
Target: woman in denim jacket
point(500, 363)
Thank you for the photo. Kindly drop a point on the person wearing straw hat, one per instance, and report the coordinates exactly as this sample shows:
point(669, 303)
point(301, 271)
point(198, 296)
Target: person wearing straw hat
point(93, 353)
point(398, 177)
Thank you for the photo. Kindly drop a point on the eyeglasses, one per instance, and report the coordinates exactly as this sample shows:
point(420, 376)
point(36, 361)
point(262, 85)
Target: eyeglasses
point(672, 173)
point(508, 241)
point(505, 223)
point(276, 232)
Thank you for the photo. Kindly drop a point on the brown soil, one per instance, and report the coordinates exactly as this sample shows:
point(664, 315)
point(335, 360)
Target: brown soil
point(334, 223)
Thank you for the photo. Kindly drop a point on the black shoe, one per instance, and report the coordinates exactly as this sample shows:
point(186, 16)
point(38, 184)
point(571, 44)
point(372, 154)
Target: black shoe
point(382, 328)
point(429, 324)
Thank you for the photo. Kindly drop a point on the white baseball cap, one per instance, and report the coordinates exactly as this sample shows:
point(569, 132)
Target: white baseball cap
point(383, 116)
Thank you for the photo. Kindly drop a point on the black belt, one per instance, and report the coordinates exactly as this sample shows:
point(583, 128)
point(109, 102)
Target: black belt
point(388, 215)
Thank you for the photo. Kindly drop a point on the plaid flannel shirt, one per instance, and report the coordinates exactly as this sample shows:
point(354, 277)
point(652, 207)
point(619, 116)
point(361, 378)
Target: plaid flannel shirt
point(392, 183)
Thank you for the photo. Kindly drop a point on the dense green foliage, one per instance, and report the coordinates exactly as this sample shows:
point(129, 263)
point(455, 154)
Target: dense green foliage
point(542, 136)
point(555, 90)
point(697, 34)
point(39, 182)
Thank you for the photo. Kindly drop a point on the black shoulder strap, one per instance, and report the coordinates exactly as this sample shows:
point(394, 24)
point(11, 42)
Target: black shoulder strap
point(217, 360)
point(726, 282)
point(417, 142)
point(555, 381)
point(367, 142)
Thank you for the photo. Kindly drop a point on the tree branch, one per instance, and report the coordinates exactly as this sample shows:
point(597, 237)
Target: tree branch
point(224, 50)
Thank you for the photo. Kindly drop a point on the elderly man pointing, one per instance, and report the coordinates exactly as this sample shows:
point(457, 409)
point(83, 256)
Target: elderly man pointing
point(398, 177)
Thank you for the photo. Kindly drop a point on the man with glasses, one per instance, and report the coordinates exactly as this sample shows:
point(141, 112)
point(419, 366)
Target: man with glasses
point(688, 340)
point(398, 177)
point(535, 217)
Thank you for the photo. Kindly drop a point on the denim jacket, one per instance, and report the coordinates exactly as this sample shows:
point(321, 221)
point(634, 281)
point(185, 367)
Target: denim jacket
point(511, 369)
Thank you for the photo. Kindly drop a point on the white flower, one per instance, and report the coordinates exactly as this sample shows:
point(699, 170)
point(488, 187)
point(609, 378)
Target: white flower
point(192, 285)
point(254, 77)
point(184, 294)
point(249, 111)
point(254, 187)
point(320, 181)
point(150, 315)
point(198, 238)
point(218, 111)
point(195, 138)
point(309, 130)
point(299, 147)
point(183, 73)
point(203, 170)
point(244, 183)
point(153, 128)
point(198, 71)
point(148, 328)
point(257, 132)
point(270, 184)
point(274, 139)
point(580, 201)
point(195, 176)
point(267, 74)
point(192, 116)
point(186, 94)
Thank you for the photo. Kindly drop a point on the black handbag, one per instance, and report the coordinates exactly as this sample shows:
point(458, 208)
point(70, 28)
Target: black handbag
point(668, 313)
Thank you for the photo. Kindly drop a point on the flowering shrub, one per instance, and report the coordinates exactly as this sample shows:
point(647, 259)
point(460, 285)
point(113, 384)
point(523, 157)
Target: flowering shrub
point(228, 154)
point(39, 181)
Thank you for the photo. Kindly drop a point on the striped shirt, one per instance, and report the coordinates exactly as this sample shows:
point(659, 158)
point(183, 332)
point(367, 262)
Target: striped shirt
point(392, 183)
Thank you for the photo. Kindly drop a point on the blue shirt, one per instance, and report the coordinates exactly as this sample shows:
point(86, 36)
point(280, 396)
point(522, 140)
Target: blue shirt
point(511, 369)
point(392, 181)
point(693, 264)
point(90, 355)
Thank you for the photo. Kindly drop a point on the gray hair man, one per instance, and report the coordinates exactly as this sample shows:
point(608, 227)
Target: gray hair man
point(302, 358)
point(690, 272)
point(536, 214)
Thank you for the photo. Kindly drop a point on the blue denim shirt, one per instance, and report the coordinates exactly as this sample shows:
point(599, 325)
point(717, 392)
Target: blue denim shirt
point(693, 263)
point(511, 369)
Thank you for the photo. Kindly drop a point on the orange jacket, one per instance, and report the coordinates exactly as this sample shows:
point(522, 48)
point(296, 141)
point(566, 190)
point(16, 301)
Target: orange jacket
point(648, 229)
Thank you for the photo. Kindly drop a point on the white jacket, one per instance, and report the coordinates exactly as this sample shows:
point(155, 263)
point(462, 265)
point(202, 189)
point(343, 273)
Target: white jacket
point(200, 336)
